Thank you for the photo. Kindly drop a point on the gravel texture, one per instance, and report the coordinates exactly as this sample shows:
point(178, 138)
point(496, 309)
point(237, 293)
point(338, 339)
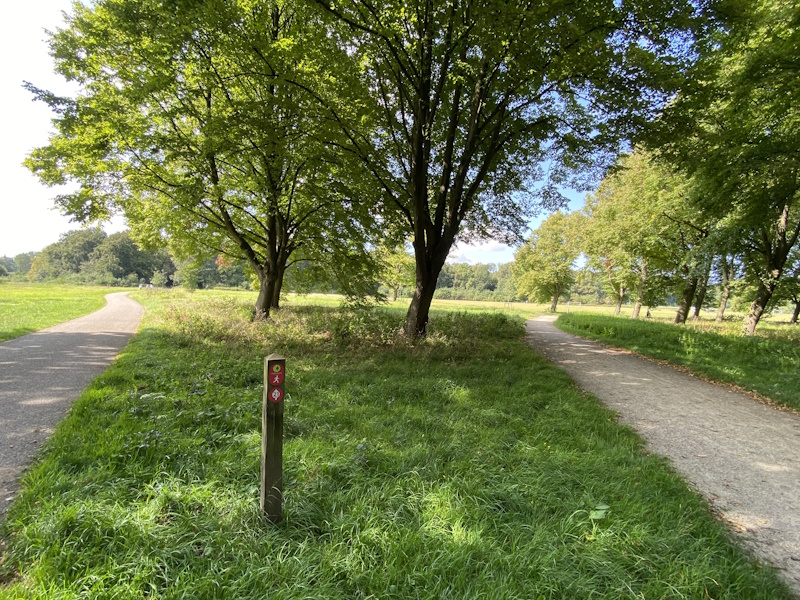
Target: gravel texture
point(741, 454)
point(42, 373)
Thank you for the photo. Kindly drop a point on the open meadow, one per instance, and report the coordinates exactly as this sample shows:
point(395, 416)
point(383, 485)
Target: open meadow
point(460, 466)
point(25, 308)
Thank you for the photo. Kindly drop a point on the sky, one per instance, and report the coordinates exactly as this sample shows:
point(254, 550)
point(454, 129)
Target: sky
point(28, 219)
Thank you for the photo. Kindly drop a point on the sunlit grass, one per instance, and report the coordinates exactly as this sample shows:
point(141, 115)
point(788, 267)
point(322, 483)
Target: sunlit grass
point(461, 466)
point(25, 308)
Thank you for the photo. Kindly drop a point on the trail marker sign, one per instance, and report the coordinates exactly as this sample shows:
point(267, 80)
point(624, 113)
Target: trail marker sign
point(271, 500)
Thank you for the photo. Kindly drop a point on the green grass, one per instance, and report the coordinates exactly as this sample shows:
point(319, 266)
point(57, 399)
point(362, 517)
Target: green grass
point(25, 308)
point(463, 466)
point(768, 363)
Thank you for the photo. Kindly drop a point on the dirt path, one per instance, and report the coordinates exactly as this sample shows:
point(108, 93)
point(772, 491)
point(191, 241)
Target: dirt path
point(43, 372)
point(741, 454)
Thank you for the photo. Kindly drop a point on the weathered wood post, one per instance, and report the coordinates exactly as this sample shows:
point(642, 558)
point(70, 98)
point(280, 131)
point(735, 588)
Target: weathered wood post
point(271, 500)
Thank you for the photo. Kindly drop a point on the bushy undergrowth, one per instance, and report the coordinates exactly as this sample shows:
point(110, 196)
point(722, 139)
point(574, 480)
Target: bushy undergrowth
point(768, 364)
point(460, 466)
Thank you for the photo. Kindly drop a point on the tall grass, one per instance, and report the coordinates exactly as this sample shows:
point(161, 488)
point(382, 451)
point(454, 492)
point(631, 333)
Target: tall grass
point(768, 364)
point(461, 466)
point(25, 308)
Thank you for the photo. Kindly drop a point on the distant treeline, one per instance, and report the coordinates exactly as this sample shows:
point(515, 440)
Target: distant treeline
point(90, 256)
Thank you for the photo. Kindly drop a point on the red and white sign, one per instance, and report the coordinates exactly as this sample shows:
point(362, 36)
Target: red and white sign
point(276, 377)
point(275, 394)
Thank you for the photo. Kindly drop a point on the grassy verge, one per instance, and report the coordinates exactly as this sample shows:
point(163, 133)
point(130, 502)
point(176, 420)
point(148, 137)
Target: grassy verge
point(768, 364)
point(460, 467)
point(25, 308)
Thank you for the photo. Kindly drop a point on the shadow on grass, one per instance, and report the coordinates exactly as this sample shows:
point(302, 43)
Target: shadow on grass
point(461, 466)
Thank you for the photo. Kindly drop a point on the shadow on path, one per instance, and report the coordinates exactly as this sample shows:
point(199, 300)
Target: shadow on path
point(42, 373)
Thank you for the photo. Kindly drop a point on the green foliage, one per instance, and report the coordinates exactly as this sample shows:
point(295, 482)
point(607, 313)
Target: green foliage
point(201, 125)
point(25, 308)
point(769, 366)
point(543, 266)
point(469, 102)
point(460, 466)
point(89, 256)
point(67, 256)
point(737, 132)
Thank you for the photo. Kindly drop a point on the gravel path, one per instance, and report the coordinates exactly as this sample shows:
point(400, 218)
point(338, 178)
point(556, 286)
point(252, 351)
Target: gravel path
point(43, 372)
point(741, 454)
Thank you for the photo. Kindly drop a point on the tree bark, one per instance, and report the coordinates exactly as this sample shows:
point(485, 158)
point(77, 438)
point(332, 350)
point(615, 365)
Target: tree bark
point(554, 303)
point(637, 307)
point(796, 313)
point(417, 316)
point(727, 275)
point(700, 296)
point(263, 302)
point(275, 302)
point(778, 247)
point(686, 300)
point(618, 308)
point(762, 298)
point(723, 301)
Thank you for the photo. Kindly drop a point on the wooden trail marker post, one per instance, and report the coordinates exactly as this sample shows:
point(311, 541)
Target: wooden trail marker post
point(271, 500)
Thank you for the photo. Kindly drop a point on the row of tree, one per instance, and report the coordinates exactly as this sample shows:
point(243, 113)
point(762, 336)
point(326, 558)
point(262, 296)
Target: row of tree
point(646, 234)
point(304, 132)
point(89, 256)
point(713, 191)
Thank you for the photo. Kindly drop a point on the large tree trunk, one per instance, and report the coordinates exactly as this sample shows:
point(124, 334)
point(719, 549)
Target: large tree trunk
point(417, 316)
point(275, 302)
point(686, 300)
point(762, 298)
point(264, 300)
point(796, 313)
point(779, 247)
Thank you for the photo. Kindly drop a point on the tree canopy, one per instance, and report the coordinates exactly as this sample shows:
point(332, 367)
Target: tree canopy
point(737, 130)
point(194, 120)
point(471, 97)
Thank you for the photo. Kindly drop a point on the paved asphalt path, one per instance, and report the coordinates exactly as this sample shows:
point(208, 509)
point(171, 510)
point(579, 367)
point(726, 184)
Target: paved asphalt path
point(43, 372)
point(741, 454)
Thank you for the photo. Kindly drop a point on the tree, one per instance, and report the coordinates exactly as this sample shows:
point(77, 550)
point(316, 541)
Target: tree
point(119, 257)
point(471, 97)
point(737, 132)
point(193, 120)
point(398, 269)
point(637, 229)
point(67, 255)
point(788, 289)
point(23, 262)
point(543, 266)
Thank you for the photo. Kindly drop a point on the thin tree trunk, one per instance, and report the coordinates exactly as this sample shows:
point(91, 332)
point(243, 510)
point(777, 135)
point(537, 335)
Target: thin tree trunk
point(701, 293)
point(796, 313)
point(686, 300)
point(727, 275)
point(620, 298)
point(637, 307)
point(554, 303)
